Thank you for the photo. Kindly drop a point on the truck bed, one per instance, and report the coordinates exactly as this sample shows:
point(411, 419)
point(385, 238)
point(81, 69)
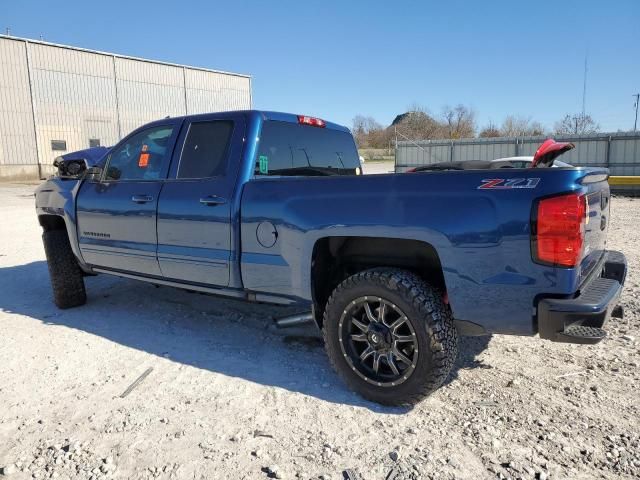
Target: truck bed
point(481, 235)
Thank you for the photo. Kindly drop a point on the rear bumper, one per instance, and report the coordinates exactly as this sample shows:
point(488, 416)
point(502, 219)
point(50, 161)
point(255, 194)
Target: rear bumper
point(559, 318)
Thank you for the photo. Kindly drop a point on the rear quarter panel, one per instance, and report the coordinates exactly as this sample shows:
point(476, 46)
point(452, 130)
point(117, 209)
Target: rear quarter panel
point(481, 236)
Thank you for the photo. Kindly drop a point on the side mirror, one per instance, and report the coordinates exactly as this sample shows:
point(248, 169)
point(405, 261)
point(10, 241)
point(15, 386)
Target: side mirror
point(71, 168)
point(93, 173)
point(76, 168)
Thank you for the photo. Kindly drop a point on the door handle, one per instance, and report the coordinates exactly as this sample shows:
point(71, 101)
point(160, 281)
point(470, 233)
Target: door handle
point(212, 200)
point(142, 198)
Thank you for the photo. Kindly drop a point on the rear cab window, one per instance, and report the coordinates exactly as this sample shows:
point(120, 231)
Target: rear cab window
point(290, 149)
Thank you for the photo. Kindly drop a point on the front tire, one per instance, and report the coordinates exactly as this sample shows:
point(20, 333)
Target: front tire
point(66, 276)
point(389, 336)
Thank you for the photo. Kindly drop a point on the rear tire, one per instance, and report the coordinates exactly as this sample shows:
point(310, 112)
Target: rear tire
point(66, 276)
point(413, 341)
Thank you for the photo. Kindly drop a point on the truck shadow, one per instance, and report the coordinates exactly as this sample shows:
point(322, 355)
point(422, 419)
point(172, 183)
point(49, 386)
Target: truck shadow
point(221, 335)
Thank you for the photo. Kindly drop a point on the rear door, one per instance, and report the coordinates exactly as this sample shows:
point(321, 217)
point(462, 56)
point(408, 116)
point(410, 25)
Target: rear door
point(117, 214)
point(194, 210)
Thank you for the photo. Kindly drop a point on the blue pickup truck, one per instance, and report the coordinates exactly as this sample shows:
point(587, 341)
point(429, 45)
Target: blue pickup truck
point(272, 207)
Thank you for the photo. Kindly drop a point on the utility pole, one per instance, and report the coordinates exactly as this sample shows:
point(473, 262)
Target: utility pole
point(8, 33)
point(584, 86)
point(635, 124)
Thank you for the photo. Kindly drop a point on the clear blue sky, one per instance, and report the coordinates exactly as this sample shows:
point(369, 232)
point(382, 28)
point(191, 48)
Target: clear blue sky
point(336, 59)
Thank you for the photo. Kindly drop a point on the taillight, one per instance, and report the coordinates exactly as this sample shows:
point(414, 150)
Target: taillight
point(558, 236)
point(314, 122)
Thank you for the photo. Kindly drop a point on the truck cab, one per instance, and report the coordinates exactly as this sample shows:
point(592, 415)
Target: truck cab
point(167, 202)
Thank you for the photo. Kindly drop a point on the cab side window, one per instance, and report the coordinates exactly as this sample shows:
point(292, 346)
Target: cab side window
point(141, 157)
point(204, 154)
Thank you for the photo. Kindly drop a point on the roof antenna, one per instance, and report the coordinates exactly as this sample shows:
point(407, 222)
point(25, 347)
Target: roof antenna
point(8, 32)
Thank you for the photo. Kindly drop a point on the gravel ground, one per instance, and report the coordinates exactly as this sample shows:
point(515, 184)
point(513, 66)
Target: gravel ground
point(229, 397)
point(378, 167)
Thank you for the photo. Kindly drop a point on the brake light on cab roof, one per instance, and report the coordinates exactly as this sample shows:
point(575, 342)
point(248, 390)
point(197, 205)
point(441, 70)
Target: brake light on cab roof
point(312, 121)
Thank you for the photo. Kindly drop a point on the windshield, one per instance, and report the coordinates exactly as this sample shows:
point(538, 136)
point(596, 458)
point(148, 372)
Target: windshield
point(292, 149)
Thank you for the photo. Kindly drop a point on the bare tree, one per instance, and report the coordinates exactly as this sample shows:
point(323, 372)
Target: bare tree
point(358, 130)
point(417, 124)
point(578, 124)
point(514, 126)
point(363, 129)
point(459, 121)
point(366, 123)
point(536, 129)
point(489, 131)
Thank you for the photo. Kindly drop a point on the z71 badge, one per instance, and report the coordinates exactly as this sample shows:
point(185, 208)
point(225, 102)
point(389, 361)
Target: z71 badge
point(505, 183)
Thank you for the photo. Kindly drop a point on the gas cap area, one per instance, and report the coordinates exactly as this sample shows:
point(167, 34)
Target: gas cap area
point(267, 234)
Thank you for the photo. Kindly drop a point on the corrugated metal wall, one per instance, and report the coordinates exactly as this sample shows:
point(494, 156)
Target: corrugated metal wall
point(73, 99)
point(17, 133)
point(620, 152)
point(54, 93)
point(208, 88)
point(147, 92)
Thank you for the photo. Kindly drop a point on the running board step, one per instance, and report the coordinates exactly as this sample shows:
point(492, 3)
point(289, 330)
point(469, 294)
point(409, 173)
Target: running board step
point(294, 320)
point(581, 334)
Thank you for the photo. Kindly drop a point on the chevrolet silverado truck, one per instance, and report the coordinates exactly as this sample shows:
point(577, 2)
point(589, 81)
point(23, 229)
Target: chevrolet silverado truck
point(271, 207)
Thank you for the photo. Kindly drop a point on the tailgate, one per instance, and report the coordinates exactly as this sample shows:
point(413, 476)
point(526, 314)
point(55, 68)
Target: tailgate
point(598, 198)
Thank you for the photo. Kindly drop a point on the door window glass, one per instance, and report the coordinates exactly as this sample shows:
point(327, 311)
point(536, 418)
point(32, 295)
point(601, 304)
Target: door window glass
point(205, 150)
point(141, 156)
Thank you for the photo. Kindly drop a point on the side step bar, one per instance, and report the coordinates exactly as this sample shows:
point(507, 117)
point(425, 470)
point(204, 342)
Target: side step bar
point(294, 320)
point(581, 334)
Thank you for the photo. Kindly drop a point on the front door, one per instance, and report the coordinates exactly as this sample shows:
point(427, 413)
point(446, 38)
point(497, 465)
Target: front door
point(117, 214)
point(195, 206)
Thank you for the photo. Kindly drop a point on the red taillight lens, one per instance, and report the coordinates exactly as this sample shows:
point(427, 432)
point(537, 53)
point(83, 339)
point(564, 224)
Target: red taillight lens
point(314, 122)
point(559, 230)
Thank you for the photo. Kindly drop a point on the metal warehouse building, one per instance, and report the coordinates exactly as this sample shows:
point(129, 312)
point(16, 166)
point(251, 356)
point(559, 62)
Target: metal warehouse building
point(56, 99)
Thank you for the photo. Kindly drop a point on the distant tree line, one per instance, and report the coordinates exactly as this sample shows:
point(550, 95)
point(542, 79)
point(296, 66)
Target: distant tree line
point(458, 122)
